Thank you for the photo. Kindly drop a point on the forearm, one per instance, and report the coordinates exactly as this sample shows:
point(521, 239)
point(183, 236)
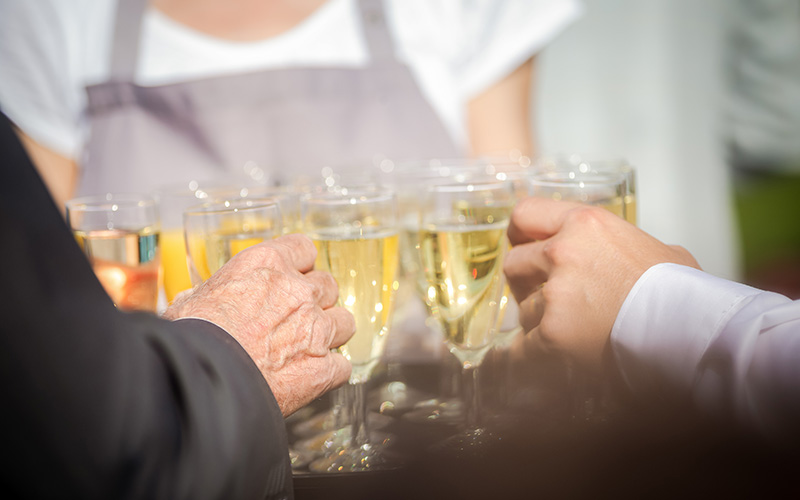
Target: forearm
point(499, 119)
point(177, 412)
point(60, 174)
point(106, 404)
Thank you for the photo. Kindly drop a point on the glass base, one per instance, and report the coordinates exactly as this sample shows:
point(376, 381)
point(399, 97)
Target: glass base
point(364, 458)
point(469, 444)
point(440, 411)
point(325, 442)
point(300, 459)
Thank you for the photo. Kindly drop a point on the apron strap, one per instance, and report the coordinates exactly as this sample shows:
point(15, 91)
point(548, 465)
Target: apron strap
point(125, 47)
point(380, 45)
point(128, 28)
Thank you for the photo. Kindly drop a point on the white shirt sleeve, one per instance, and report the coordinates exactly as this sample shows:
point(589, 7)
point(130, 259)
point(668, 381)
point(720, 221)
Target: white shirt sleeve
point(733, 349)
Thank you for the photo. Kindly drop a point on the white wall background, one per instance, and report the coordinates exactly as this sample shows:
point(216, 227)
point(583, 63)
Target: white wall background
point(643, 79)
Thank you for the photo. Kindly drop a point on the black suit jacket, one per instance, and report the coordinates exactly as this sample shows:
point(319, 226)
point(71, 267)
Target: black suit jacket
point(97, 403)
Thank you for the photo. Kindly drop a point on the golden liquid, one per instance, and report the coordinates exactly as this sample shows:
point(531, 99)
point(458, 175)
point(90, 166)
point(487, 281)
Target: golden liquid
point(211, 251)
point(464, 272)
point(126, 263)
point(630, 208)
point(173, 263)
point(615, 205)
point(366, 270)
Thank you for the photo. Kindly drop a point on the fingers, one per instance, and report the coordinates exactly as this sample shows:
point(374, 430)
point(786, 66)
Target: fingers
point(300, 250)
point(537, 219)
point(324, 288)
point(526, 267)
point(340, 370)
point(531, 309)
point(344, 326)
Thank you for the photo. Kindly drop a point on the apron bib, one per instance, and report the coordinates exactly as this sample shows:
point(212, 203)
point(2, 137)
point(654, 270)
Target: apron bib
point(284, 122)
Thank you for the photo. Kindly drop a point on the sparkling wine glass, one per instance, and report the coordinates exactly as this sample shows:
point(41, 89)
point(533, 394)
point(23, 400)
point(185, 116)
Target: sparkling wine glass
point(218, 230)
point(417, 334)
point(605, 166)
point(607, 189)
point(288, 200)
point(119, 234)
point(462, 246)
point(356, 233)
point(173, 200)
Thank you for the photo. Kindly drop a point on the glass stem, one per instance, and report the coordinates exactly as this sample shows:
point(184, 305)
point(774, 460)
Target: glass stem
point(450, 373)
point(360, 429)
point(340, 406)
point(472, 397)
point(502, 377)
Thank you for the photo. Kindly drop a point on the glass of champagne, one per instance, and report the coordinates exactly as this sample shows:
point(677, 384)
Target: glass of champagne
point(218, 230)
point(288, 200)
point(618, 167)
point(607, 166)
point(356, 234)
point(173, 200)
point(119, 234)
point(416, 333)
point(604, 189)
point(462, 245)
point(514, 168)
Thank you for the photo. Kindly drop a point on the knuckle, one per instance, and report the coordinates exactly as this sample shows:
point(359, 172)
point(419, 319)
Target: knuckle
point(548, 336)
point(320, 335)
point(329, 282)
point(271, 256)
point(588, 215)
point(555, 250)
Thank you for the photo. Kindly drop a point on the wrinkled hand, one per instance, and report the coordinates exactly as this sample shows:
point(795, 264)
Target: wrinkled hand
point(269, 298)
point(571, 268)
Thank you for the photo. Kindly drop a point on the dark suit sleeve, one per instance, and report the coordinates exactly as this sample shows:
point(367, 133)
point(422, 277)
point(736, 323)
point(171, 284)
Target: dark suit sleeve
point(97, 403)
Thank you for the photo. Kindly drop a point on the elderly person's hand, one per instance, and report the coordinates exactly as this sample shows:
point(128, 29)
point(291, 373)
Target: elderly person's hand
point(571, 268)
point(269, 298)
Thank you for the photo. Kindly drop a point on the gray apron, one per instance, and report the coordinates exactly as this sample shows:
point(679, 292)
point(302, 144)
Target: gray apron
point(285, 122)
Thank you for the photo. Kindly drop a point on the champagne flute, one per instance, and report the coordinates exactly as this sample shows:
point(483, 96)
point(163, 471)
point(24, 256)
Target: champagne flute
point(609, 166)
point(605, 189)
point(618, 167)
point(216, 231)
point(219, 229)
point(515, 169)
point(418, 334)
point(462, 245)
point(288, 200)
point(173, 200)
point(119, 234)
point(355, 230)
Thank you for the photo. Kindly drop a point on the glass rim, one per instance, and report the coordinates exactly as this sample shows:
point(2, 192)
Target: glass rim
point(198, 184)
point(572, 177)
point(597, 163)
point(104, 202)
point(487, 183)
point(219, 207)
point(376, 194)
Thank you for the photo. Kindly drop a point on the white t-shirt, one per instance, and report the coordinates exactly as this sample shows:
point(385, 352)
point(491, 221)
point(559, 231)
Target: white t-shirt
point(734, 349)
point(50, 50)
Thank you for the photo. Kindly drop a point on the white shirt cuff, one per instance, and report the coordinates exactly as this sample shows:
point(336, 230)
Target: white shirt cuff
point(666, 323)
